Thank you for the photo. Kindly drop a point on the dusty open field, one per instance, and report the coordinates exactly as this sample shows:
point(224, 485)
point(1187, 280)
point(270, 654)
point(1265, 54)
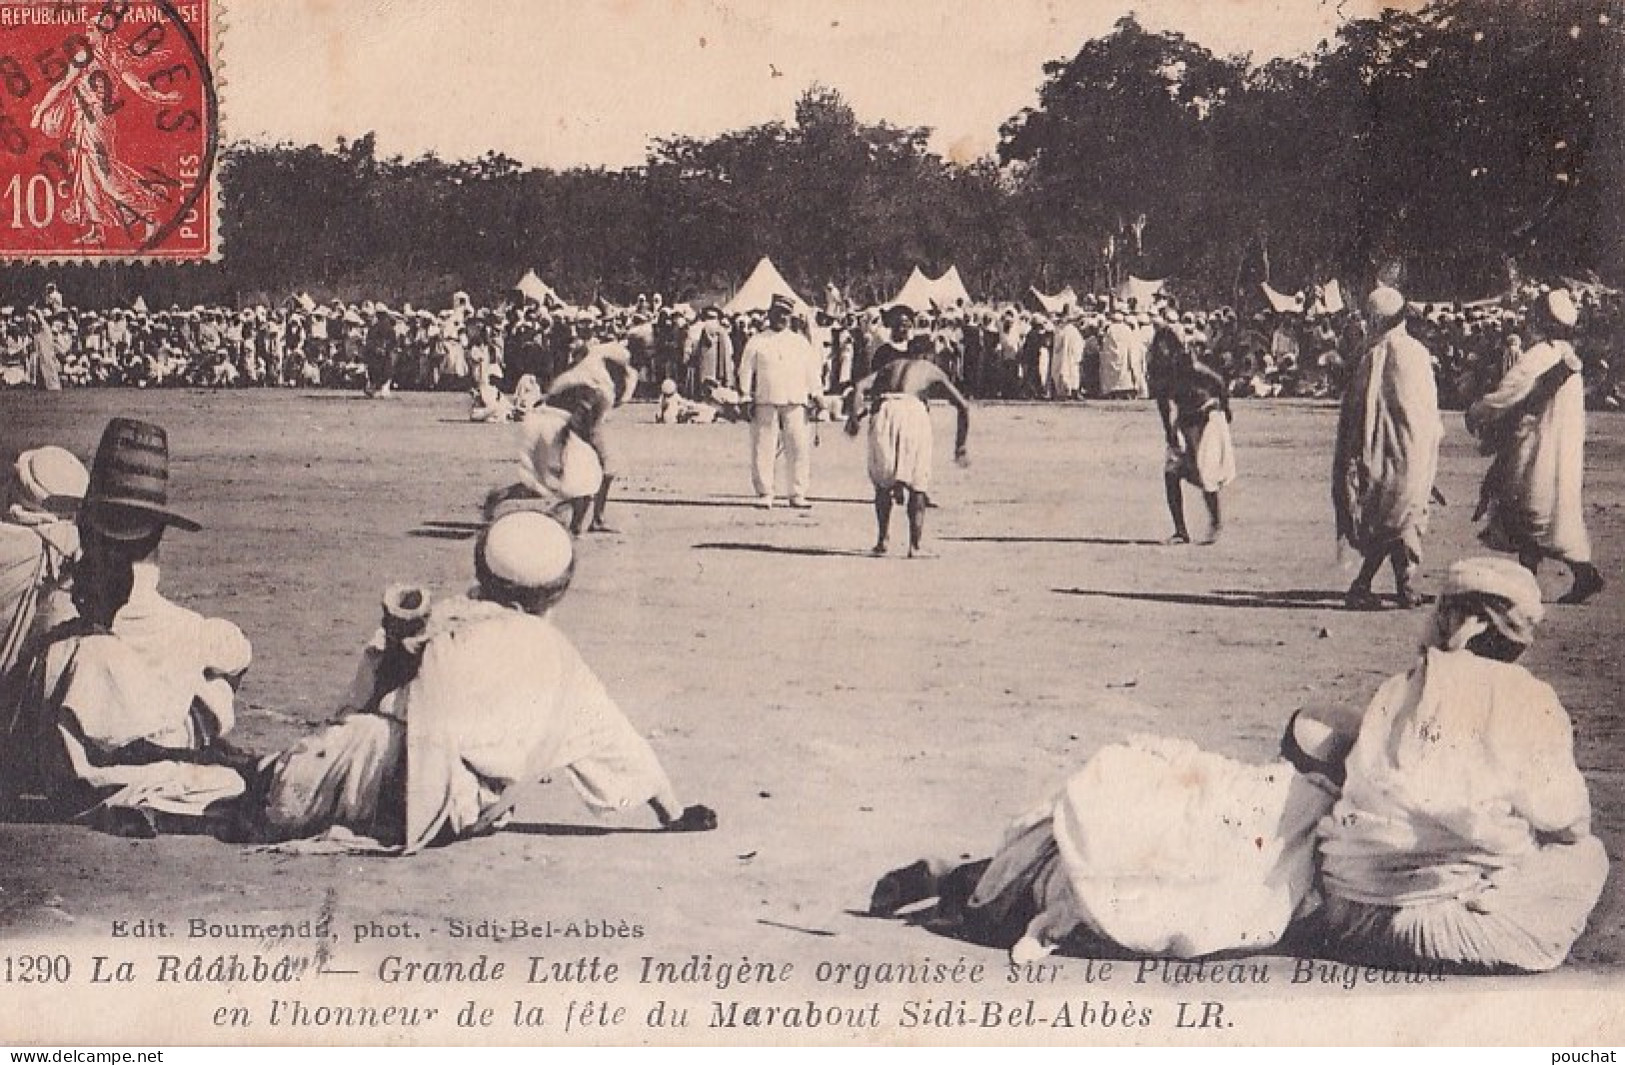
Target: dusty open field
point(843, 714)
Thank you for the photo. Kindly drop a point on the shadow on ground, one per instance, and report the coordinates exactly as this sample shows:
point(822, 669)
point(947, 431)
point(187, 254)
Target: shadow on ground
point(782, 549)
point(1294, 599)
point(1097, 541)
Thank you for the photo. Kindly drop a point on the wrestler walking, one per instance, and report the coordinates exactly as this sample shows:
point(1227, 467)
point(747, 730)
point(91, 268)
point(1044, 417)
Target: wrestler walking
point(894, 397)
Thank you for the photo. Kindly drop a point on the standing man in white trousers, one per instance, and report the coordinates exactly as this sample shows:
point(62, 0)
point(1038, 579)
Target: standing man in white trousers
point(779, 372)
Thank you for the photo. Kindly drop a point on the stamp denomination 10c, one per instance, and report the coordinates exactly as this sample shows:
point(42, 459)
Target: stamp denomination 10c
point(108, 130)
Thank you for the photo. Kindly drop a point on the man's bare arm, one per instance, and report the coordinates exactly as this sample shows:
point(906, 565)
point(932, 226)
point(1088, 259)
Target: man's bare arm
point(942, 384)
point(858, 406)
point(1164, 409)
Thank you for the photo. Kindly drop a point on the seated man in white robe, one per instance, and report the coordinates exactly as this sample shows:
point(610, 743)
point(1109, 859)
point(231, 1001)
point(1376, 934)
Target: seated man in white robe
point(96, 738)
point(1463, 835)
point(119, 715)
point(458, 710)
point(1459, 840)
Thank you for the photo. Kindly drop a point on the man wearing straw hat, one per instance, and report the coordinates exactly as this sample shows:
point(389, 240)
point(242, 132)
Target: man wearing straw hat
point(122, 710)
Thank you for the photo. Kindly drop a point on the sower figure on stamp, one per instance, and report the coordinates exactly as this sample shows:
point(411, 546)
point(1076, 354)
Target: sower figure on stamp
point(900, 439)
point(106, 190)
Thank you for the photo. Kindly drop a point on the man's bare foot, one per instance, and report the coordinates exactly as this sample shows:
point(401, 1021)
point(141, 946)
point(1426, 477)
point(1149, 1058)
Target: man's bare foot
point(1587, 583)
point(600, 527)
point(1029, 949)
point(920, 552)
point(1178, 538)
point(694, 819)
point(1361, 599)
point(902, 887)
point(879, 549)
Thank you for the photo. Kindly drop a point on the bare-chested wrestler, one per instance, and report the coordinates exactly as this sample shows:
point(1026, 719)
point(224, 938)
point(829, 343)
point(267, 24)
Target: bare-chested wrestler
point(900, 439)
point(1194, 403)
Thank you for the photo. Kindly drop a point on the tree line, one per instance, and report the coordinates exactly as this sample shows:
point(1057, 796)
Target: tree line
point(1472, 141)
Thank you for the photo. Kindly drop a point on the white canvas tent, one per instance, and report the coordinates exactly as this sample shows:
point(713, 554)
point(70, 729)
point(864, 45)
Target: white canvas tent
point(951, 289)
point(531, 286)
point(1052, 305)
point(139, 306)
point(1327, 299)
point(759, 289)
point(917, 292)
point(1280, 302)
point(1426, 307)
point(920, 292)
point(1587, 288)
point(1141, 291)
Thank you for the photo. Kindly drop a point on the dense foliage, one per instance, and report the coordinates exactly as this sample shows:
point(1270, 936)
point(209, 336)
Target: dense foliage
point(1466, 141)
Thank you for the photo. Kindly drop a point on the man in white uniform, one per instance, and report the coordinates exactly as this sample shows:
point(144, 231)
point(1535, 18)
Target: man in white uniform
point(779, 372)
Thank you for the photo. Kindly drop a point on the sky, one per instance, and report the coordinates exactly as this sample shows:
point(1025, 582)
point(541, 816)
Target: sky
point(564, 83)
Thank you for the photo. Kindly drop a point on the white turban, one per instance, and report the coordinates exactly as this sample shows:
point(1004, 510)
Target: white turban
point(1384, 302)
point(526, 558)
point(1506, 591)
point(1561, 307)
point(48, 484)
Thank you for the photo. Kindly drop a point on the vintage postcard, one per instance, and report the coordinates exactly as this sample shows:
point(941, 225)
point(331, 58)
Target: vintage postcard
point(681, 523)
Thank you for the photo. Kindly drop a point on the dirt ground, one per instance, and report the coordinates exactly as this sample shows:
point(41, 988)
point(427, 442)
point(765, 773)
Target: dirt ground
point(843, 714)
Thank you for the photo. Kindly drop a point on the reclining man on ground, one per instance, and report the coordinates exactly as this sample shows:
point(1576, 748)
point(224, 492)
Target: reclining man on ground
point(462, 706)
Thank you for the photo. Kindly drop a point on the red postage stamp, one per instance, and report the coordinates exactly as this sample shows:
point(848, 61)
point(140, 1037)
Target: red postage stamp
point(108, 130)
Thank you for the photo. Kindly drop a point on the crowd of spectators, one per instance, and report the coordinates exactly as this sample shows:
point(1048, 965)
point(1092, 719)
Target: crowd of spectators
point(1093, 347)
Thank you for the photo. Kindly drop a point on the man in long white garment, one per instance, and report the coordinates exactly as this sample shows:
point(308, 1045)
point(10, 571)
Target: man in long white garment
point(1533, 421)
